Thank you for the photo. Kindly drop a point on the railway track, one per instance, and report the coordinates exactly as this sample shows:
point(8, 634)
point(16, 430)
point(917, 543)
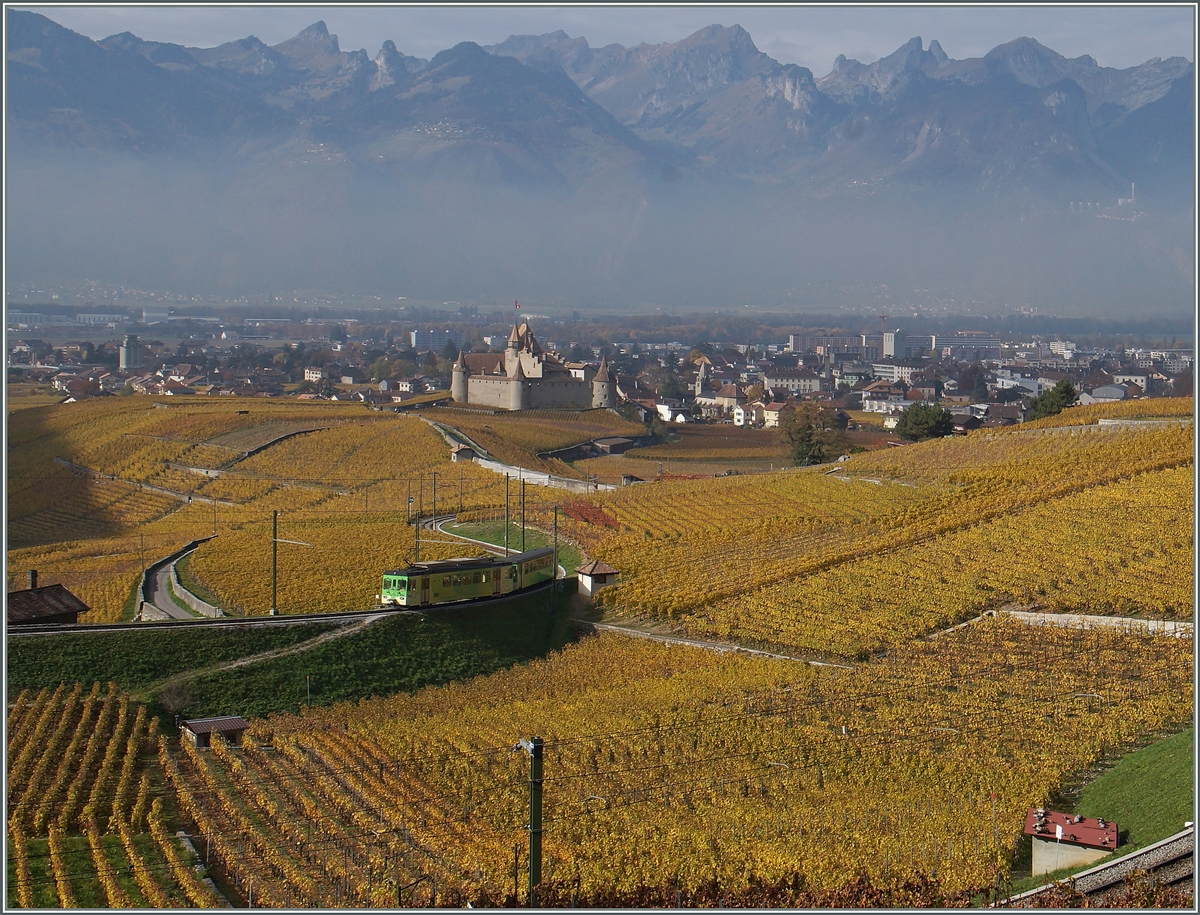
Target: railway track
point(1170, 862)
point(240, 622)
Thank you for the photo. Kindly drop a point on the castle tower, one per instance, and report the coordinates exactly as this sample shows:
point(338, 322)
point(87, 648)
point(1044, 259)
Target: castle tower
point(518, 396)
point(604, 389)
point(458, 379)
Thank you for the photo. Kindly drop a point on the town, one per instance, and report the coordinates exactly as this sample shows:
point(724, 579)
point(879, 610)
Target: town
point(982, 378)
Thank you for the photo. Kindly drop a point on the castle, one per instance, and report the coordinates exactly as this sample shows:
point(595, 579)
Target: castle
point(526, 377)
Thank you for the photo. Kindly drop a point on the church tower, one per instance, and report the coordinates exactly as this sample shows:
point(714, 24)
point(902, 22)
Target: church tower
point(604, 389)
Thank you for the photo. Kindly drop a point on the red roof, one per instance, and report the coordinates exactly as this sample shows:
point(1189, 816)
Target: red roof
point(1077, 830)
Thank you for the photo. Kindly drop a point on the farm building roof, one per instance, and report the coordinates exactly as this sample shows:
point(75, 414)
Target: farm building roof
point(215, 725)
point(37, 603)
point(596, 567)
point(1078, 830)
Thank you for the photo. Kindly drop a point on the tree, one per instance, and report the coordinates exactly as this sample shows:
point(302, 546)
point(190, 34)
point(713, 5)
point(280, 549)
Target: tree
point(1181, 384)
point(924, 420)
point(1054, 401)
point(812, 433)
point(450, 353)
point(670, 387)
point(979, 388)
point(754, 392)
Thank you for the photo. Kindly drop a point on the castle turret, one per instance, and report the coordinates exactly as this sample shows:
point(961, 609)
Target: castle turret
point(518, 396)
point(458, 379)
point(604, 389)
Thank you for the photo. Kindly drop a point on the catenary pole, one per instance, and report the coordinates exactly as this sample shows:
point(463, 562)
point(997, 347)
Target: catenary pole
point(534, 747)
point(274, 557)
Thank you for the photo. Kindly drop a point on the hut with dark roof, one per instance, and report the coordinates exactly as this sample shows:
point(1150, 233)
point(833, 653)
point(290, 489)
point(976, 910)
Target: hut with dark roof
point(41, 606)
point(199, 731)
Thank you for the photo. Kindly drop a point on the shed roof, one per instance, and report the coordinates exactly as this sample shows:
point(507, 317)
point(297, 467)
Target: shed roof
point(1078, 830)
point(37, 603)
point(215, 725)
point(596, 567)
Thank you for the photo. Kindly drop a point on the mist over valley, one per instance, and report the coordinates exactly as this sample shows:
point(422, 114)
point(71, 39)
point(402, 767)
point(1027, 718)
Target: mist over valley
point(695, 174)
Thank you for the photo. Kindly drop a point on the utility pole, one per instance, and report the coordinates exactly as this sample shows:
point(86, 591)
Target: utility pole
point(460, 482)
point(417, 525)
point(506, 515)
point(553, 587)
point(408, 495)
point(274, 552)
point(214, 504)
point(522, 514)
point(533, 746)
point(435, 500)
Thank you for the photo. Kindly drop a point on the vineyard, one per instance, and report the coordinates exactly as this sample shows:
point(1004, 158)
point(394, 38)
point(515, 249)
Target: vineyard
point(900, 772)
point(86, 821)
point(898, 542)
point(675, 764)
point(718, 443)
point(517, 439)
point(146, 478)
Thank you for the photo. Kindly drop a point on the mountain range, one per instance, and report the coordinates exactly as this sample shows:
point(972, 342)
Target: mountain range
point(609, 161)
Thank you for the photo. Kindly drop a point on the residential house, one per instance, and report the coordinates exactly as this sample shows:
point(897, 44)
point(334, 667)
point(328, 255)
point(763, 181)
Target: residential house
point(749, 414)
point(883, 397)
point(773, 413)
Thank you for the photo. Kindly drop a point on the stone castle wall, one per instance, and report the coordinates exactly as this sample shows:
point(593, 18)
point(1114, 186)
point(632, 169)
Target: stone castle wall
point(497, 391)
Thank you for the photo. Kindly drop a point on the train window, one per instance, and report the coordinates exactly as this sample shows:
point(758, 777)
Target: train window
point(477, 578)
point(446, 581)
point(401, 584)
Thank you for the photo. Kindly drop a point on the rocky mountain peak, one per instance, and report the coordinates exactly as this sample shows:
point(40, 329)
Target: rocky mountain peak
point(856, 83)
point(313, 49)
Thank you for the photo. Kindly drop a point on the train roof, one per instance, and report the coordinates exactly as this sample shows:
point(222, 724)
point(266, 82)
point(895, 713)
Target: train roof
point(465, 563)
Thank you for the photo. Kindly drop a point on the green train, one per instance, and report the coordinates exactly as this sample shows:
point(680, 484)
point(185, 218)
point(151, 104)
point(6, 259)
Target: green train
point(424, 584)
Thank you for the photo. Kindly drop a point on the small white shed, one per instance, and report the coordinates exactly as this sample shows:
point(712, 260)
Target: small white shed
point(595, 575)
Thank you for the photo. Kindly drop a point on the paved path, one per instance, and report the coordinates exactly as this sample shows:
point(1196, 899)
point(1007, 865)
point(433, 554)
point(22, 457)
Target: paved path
point(158, 592)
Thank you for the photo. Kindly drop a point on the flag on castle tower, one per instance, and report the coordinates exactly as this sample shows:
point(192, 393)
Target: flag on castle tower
point(517, 305)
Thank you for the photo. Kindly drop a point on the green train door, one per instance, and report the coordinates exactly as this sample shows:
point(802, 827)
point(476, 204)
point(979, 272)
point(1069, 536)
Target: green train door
point(424, 590)
point(495, 582)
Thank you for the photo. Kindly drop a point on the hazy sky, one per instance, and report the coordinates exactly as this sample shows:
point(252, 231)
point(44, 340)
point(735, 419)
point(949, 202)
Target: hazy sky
point(812, 36)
